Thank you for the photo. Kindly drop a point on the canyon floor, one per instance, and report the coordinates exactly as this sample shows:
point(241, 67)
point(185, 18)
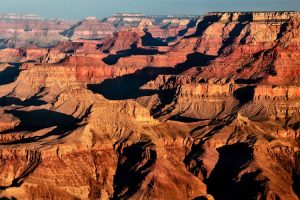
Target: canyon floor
point(196, 108)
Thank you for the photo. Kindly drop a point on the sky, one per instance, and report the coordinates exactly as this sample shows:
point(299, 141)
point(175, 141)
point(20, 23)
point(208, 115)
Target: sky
point(78, 9)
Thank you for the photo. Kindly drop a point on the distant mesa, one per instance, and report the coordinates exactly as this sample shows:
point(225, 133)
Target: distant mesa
point(16, 16)
point(22, 30)
point(129, 15)
point(91, 18)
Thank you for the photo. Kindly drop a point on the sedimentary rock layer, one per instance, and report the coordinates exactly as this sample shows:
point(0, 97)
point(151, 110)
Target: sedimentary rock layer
point(212, 113)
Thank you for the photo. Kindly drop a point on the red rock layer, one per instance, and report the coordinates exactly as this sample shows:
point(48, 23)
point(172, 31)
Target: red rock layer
point(214, 115)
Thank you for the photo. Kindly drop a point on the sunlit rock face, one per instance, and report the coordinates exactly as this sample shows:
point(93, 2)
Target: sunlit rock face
point(204, 108)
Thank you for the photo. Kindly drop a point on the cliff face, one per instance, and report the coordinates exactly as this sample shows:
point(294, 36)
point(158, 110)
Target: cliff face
point(123, 40)
point(212, 115)
point(256, 50)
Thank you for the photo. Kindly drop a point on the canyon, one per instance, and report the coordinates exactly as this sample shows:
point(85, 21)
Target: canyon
point(151, 107)
point(20, 30)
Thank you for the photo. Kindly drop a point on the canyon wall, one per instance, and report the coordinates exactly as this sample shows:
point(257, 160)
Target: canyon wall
point(204, 108)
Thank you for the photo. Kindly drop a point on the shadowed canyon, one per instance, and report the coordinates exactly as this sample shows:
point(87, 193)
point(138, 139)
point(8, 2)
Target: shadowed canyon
point(151, 107)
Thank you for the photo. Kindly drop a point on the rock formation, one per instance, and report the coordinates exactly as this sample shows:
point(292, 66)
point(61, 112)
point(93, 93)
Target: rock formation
point(89, 28)
point(206, 109)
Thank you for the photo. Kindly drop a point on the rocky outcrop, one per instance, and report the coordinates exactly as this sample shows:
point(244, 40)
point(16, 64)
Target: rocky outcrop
point(7, 121)
point(89, 28)
point(123, 40)
point(11, 55)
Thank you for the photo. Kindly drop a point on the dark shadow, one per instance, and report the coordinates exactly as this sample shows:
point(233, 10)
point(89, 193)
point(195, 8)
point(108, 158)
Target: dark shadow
point(128, 86)
point(170, 39)
point(60, 131)
point(295, 126)
point(70, 51)
point(244, 94)
point(166, 97)
point(33, 101)
point(184, 119)
point(191, 24)
point(204, 24)
point(248, 81)
point(296, 184)
point(193, 163)
point(9, 74)
point(149, 40)
point(236, 31)
point(39, 119)
point(134, 164)
point(283, 29)
point(246, 17)
point(243, 21)
point(194, 60)
point(223, 183)
point(42, 119)
point(192, 160)
point(166, 26)
point(200, 198)
point(244, 39)
point(296, 175)
point(70, 32)
point(114, 58)
point(3, 43)
point(7, 198)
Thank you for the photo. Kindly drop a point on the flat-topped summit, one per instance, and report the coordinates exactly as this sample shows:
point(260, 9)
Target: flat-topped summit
point(16, 16)
point(91, 18)
point(257, 16)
